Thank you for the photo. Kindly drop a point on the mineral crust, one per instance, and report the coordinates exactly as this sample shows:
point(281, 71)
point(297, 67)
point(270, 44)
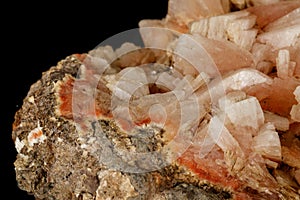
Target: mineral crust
point(208, 109)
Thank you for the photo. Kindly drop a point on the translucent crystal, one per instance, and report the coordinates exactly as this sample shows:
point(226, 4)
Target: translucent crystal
point(212, 98)
point(295, 112)
point(185, 12)
point(280, 123)
point(297, 94)
point(237, 27)
point(222, 137)
point(285, 68)
point(194, 54)
point(267, 143)
point(245, 113)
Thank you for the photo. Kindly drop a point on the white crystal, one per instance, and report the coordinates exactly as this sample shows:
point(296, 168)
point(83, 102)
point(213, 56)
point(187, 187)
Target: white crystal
point(231, 98)
point(222, 137)
point(19, 145)
point(237, 80)
point(236, 27)
point(267, 143)
point(104, 52)
point(297, 94)
point(295, 112)
point(245, 113)
point(192, 58)
point(285, 68)
point(126, 48)
point(155, 35)
point(280, 38)
point(130, 82)
point(187, 11)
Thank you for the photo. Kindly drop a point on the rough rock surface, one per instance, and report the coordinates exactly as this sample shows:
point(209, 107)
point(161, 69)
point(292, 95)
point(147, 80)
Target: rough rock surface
point(209, 110)
point(57, 167)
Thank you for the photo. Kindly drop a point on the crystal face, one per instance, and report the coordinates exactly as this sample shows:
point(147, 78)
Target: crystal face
point(208, 108)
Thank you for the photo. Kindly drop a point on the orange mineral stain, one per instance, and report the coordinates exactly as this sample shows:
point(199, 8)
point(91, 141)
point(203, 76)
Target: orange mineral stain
point(208, 170)
point(85, 105)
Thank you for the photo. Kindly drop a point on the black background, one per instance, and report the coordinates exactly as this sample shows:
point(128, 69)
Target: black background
point(35, 36)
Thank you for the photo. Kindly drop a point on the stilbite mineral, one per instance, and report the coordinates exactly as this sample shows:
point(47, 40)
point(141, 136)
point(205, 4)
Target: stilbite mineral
point(208, 109)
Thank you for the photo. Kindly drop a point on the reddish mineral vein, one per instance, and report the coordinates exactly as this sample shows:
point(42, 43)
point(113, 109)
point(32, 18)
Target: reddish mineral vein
point(66, 94)
point(214, 90)
point(65, 97)
point(207, 170)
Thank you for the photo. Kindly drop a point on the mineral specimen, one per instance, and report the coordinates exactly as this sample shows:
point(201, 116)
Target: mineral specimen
point(209, 108)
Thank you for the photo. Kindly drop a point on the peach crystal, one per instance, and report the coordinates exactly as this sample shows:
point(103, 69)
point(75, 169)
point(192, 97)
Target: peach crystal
point(219, 89)
point(235, 76)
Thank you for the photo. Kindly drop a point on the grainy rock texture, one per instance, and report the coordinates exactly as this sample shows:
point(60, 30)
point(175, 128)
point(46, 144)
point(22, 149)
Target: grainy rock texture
point(210, 109)
point(57, 167)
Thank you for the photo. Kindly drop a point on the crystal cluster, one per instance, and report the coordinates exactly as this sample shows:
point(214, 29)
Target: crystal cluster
point(209, 108)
